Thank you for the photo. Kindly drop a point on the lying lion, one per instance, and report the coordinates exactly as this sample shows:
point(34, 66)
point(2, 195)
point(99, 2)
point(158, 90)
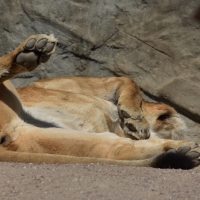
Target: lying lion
point(84, 120)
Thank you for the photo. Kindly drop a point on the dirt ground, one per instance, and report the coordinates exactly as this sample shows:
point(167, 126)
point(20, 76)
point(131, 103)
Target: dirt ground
point(94, 181)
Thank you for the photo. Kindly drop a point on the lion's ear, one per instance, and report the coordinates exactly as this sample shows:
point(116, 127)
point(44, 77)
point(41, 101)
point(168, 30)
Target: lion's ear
point(4, 140)
point(163, 117)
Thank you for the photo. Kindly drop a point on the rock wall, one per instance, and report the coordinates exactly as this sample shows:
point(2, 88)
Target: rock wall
point(157, 43)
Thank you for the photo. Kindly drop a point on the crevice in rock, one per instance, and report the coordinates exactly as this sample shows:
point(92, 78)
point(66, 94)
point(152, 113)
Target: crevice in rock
point(38, 17)
point(26, 13)
point(5, 29)
point(25, 76)
point(95, 47)
point(158, 50)
point(29, 17)
point(117, 47)
point(65, 51)
point(82, 56)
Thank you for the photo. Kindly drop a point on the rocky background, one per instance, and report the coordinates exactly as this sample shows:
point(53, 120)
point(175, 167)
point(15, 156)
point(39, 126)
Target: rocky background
point(157, 43)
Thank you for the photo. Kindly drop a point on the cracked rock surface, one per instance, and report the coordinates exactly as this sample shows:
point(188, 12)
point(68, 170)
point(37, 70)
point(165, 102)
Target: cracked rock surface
point(157, 43)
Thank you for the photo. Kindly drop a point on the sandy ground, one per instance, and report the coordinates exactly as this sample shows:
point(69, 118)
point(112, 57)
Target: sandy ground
point(94, 181)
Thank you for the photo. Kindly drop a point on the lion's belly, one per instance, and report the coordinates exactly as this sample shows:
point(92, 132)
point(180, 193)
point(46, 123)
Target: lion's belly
point(93, 120)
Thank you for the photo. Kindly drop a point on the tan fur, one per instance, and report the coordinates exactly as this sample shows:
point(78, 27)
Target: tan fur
point(59, 125)
point(164, 121)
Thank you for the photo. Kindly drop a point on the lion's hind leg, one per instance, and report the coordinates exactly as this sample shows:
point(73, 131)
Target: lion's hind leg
point(102, 148)
point(182, 158)
point(32, 52)
point(37, 49)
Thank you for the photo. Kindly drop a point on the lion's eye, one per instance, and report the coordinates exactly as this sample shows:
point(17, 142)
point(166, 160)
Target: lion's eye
point(163, 117)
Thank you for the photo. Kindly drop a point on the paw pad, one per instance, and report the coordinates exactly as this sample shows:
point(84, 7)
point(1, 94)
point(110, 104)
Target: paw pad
point(37, 50)
point(182, 158)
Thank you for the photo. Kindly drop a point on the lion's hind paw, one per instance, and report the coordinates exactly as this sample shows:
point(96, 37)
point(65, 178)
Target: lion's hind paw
point(182, 158)
point(36, 49)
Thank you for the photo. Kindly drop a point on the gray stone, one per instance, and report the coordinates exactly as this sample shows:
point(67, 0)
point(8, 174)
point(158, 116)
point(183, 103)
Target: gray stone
point(157, 43)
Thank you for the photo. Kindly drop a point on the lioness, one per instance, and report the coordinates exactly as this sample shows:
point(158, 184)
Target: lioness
point(152, 119)
point(43, 130)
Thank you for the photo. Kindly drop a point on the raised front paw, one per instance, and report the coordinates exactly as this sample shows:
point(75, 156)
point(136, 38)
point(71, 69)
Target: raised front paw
point(36, 49)
point(182, 158)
